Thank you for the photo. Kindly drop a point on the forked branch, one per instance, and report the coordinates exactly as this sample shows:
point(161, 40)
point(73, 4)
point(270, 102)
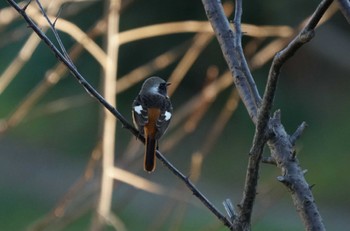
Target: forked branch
point(267, 129)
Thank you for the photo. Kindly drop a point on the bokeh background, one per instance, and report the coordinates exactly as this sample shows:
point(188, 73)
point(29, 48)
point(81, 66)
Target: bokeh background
point(47, 153)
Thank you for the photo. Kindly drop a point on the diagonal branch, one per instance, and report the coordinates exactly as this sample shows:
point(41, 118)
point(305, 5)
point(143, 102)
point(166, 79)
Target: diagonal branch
point(95, 94)
point(194, 190)
point(304, 36)
point(87, 86)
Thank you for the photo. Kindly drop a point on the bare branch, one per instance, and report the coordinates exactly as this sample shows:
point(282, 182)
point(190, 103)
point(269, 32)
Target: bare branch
point(73, 70)
point(281, 149)
point(233, 53)
point(268, 52)
point(305, 35)
point(198, 27)
point(76, 33)
point(116, 113)
point(194, 190)
point(23, 56)
point(52, 26)
point(293, 176)
point(103, 211)
point(250, 188)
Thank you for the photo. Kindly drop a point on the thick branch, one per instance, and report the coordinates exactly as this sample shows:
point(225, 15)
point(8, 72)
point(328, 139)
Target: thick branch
point(243, 220)
point(293, 177)
point(280, 144)
point(231, 48)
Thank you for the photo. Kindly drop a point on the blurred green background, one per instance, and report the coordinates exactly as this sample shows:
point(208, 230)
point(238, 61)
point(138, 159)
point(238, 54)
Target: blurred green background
point(45, 154)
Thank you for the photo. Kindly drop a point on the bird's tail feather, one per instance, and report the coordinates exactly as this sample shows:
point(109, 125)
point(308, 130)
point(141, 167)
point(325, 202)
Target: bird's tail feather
point(150, 154)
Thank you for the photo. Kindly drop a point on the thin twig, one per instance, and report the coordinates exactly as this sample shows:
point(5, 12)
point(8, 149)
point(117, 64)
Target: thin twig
point(90, 89)
point(52, 26)
point(23, 55)
point(268, 52)
point(76, 33)
point(304, 36)
point(194, 190)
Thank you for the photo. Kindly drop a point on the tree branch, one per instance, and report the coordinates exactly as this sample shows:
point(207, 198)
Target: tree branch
point(86, 85)
point(231, 47)
point(103, 211)
point(281, 146)
point(304, 36)
point(95, 94)
point(194, 190)
point(293, 176)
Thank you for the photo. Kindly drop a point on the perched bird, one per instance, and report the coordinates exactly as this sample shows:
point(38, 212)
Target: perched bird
point(151, 112)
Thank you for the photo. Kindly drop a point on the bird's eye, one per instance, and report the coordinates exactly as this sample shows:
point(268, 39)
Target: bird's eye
point(162, 88)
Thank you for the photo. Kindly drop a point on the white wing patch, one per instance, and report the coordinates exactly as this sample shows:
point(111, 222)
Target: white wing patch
point(167, 115)
point(138, 109)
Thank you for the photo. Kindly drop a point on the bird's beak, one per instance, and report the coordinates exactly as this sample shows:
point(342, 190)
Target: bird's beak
point(168, 83)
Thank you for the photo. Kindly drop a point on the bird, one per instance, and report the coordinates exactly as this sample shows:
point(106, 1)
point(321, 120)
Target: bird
point(151, 113)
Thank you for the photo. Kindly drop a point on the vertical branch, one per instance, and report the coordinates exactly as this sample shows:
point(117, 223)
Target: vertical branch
point(230, 43)
point(109, 125)
point(279, 141)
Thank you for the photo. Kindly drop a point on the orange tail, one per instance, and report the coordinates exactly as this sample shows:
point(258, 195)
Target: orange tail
point(150, 154)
